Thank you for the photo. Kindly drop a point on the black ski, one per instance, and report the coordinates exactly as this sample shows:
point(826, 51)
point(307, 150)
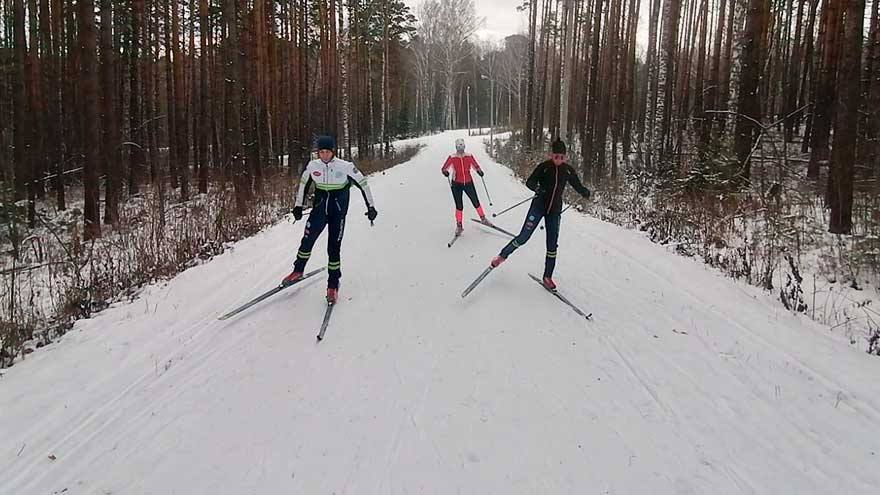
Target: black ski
point(493, 226)
point(454, 238)
point(561, 298)
point(326, 321)
point(476, 282)
point(267, 294)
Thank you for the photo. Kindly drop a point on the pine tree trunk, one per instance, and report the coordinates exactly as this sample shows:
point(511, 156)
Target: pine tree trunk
point(151, 90)
point(825, 91)
point(110, 136)
point(629, 78)
point(648, 104)
point(840, 185)
point(91, 145)
point(568, 66)
point(36, 104)
point(715, 74)
point(682, 93)
point(588, 151)
point(791, 89)
point(700, 103)
point(249, 75)
point(52, 53)
point(808, 76)
point(749, 105)
point(192, 94)
point(136, 116)
point(305, 113)
point(530, 68)
point(605, 90)
point(872, 98)
point(383, 98)
point(558, 77)
point(732, 64)
point(333, 108)
point(344, 78)
point(666, 82)
point(204, 129)
point(232, 76)
point(71, 94)
point(171, 114)
point(181, 134)
point(541, 83)
point(21, 113)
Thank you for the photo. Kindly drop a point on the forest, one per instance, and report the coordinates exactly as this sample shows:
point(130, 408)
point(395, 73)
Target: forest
point(139, 137)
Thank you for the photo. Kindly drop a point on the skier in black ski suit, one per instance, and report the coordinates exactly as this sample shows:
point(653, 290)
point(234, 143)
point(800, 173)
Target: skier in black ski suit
point(548, 180)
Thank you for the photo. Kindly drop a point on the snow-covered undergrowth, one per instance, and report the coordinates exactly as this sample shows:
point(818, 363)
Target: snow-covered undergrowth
point(773, 234)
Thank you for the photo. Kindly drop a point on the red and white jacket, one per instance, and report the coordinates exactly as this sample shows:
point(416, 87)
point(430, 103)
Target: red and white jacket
point(461, 167)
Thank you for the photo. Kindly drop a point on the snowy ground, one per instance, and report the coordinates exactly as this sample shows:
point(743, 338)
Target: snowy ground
point(684, 382)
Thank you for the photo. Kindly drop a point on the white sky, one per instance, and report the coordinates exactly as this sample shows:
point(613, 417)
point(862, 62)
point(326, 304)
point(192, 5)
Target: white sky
point(501, 19)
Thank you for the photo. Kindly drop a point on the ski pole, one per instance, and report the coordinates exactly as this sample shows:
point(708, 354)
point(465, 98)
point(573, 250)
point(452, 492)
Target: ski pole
point(487, 190)
point(512, 207)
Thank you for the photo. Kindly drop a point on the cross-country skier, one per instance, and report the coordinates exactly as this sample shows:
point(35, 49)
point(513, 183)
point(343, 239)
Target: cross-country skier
point(460, 164)
point(332, 178)
point(548, 180)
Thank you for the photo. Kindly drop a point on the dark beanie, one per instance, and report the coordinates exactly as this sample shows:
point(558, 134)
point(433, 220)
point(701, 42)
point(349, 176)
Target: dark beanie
point(558, 146)
point(326, 143)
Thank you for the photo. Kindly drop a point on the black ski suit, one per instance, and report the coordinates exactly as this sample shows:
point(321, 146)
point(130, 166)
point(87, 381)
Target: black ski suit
point(548, 181)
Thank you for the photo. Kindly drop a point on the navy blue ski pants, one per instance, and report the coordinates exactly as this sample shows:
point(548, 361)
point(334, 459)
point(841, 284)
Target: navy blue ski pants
point(533, 218)
point(329, 211)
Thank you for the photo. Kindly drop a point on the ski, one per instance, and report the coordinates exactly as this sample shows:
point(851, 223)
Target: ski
point(493, 226)
point(561, 298)
point(476, 282)
point(326, 321)
point(267, 294)
point(454, 238)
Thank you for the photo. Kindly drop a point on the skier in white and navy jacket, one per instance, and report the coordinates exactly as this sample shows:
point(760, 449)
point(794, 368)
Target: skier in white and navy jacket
point(332, 178)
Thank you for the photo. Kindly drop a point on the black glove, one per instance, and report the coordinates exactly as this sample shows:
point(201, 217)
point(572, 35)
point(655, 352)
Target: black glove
point(446, 173)
point(587, 195)
point(298, 212)
point(371, 213)
point(480, 173)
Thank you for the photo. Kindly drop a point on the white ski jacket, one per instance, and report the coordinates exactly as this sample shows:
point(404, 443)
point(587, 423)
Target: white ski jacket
point(335, 175)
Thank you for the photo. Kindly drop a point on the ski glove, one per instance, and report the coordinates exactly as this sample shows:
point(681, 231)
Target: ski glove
point(480, 173)
point(446, 173)
point(587, 195)
point(371, 213)
point(298, 212)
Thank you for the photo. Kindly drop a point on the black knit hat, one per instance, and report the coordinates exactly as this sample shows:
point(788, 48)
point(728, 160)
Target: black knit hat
point(558, 146)
point(326, 143)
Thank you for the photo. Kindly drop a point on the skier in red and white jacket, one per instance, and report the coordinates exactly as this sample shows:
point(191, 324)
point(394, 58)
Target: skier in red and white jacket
point(458, 168)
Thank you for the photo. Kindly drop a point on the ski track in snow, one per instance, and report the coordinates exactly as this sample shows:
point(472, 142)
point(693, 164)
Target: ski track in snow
point(683, 382)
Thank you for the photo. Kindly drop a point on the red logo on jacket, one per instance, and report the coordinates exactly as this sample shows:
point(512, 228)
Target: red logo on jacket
point(316, 173)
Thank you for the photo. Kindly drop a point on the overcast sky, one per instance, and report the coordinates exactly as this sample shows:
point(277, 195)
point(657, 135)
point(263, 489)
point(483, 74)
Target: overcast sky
point(501, 19)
